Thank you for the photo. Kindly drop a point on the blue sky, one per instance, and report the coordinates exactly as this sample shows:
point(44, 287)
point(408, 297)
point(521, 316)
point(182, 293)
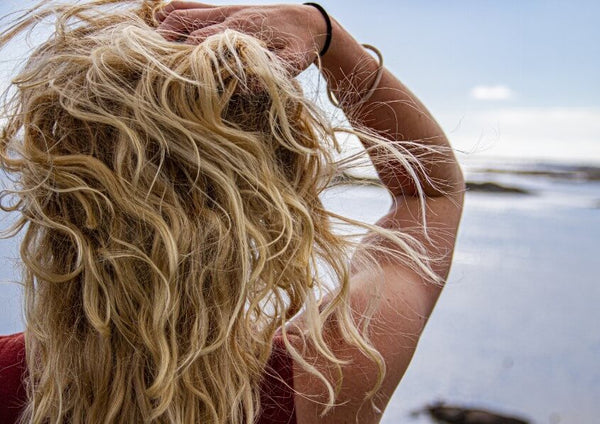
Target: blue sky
point(517, 79)
point(546, 51)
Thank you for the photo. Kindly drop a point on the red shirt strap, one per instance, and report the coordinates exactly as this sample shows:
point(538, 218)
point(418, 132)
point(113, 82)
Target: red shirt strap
point(12, 371)
point(277, 389)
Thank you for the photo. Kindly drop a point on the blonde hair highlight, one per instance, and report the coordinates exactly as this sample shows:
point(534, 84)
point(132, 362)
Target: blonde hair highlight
point(169, 197)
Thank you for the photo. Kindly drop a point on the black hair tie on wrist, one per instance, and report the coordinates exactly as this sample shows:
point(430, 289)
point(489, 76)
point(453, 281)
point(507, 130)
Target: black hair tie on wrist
point(329, 26)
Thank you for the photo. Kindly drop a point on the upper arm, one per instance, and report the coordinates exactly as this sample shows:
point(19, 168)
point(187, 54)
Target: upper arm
point(404, 300)
point(437, 235)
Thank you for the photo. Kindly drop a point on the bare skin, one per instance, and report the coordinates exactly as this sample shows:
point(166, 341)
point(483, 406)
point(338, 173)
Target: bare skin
point(297, 33)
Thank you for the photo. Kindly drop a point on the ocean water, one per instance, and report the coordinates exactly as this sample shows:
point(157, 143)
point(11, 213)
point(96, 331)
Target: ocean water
point(517, 328)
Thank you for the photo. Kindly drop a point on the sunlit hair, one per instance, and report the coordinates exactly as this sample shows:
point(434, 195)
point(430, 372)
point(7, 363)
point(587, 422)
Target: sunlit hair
point(169, 198)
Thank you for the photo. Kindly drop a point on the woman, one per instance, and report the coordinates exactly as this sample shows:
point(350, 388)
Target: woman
point(168, 171)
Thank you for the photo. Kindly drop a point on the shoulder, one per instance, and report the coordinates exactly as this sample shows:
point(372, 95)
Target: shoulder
point(399, 301)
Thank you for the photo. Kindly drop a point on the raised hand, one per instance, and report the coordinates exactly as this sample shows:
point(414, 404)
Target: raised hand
point(296, 33)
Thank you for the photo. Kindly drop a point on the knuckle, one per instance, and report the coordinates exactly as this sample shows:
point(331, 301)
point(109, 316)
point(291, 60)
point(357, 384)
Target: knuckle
point(181, 18)
point(169, 23)
point(180, 13)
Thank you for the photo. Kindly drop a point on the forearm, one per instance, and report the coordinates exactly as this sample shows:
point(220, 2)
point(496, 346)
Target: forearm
point(394, 113)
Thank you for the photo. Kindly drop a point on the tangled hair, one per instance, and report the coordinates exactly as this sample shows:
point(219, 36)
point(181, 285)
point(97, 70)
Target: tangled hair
point(169, 198)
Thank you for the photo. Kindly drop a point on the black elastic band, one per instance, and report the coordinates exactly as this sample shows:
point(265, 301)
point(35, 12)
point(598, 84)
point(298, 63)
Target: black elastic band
point(329, 26)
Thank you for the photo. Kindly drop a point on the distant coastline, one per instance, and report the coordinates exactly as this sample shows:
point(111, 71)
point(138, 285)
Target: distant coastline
point(562, 172)
point(477, 181)
point(488, 186)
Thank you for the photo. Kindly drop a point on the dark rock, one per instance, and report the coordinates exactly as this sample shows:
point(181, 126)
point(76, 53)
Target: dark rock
point(458, 415)
point(490, 187)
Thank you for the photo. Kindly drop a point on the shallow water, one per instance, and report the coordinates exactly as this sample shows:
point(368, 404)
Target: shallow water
point(517, 326)
point(516, 329)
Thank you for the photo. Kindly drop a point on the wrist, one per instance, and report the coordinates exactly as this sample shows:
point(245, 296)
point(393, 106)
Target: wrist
point(353, 74)
point(345, 51)
point(320, 27)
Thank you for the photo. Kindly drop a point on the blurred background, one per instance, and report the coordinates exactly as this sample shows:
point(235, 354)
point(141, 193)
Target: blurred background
point(516, 86)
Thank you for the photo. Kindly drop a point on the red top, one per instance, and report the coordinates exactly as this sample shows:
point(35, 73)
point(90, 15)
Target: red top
point(276, 395)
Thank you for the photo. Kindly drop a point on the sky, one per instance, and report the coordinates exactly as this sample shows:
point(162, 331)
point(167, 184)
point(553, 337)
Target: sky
point(518, 79)
point(505, 79)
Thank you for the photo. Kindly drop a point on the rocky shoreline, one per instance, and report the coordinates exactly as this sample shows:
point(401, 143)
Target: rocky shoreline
point(558, 172)
point(472, 186)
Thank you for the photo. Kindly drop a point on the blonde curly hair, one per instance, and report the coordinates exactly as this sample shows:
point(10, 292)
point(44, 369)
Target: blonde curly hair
point(169, 198)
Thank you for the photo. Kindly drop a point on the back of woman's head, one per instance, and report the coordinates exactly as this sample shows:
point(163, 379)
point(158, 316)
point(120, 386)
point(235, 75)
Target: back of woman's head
point(170, 197)
point(170, 202)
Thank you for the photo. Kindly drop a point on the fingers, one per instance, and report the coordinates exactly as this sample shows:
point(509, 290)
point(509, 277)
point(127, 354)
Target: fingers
point(295, 63)
point(162, 14)
point(182, 22)
point(202, 34)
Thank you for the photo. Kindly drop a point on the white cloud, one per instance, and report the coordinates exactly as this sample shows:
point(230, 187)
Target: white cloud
point(492, 92)
point(555, 133)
